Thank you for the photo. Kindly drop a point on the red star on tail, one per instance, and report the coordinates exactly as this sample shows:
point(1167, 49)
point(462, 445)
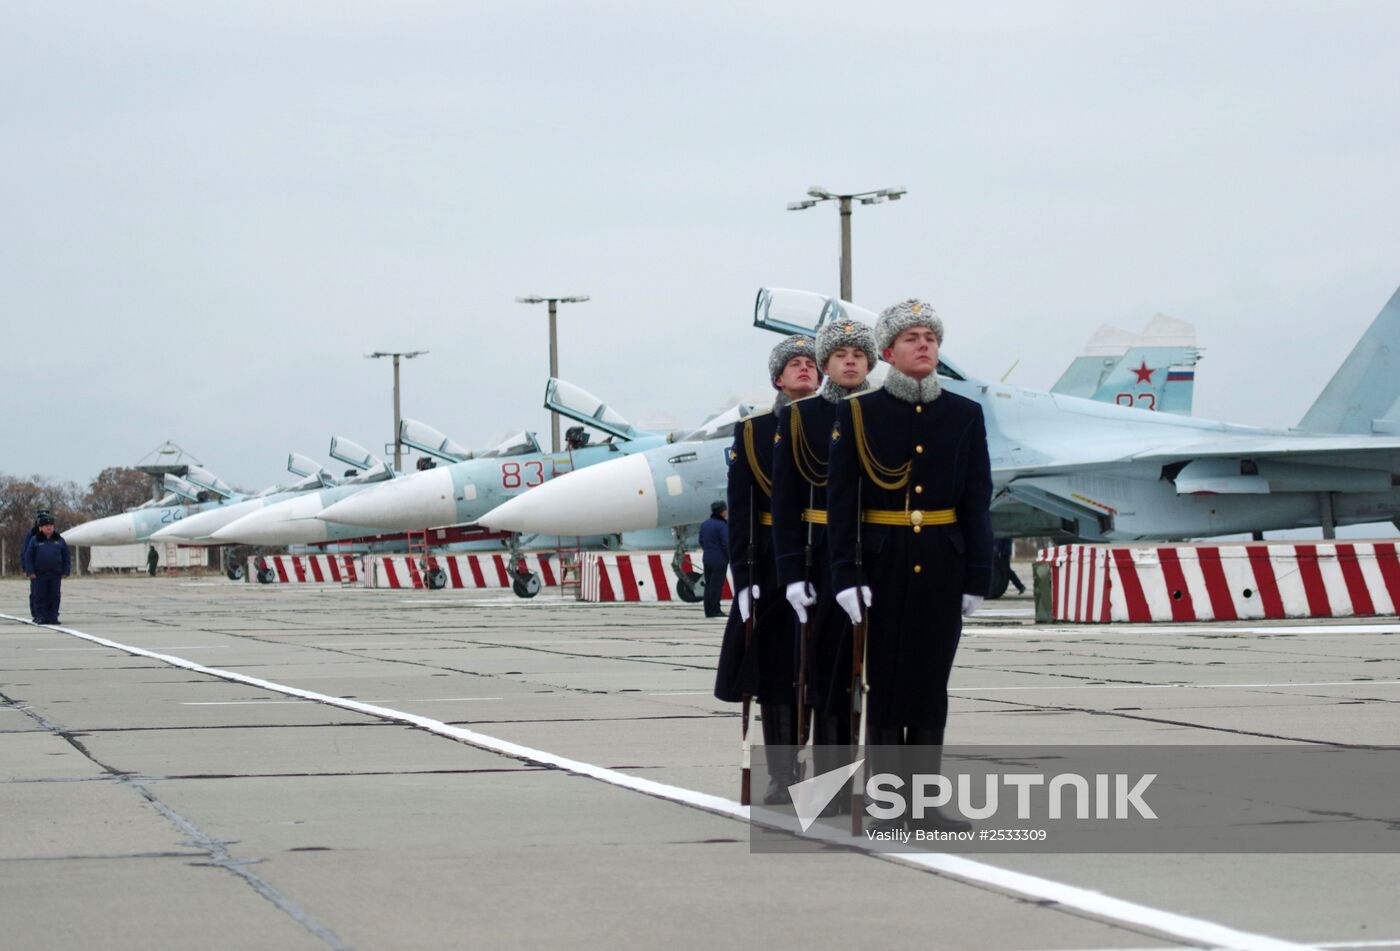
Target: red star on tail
point(1144, 375)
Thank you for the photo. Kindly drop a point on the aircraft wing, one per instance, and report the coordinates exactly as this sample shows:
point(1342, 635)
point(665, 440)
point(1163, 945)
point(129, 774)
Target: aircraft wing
point(1322, 449)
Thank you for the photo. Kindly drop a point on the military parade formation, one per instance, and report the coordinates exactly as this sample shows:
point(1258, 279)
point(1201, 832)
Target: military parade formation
point(859, 538)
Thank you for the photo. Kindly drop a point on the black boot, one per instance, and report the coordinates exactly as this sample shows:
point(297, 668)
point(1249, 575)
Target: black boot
point(831, 749)
point(780, 749)
point(934, 819)
point(884, 752)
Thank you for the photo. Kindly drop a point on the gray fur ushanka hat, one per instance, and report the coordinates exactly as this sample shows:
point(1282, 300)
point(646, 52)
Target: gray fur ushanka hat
point(900, 317)
point(845, 333)
point(798, 345)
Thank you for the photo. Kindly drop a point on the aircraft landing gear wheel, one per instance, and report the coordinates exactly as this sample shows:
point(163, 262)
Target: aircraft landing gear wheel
point(266, 576)
point(235, 572)
point(691, 588)
point(437, 579)
point(527, 586)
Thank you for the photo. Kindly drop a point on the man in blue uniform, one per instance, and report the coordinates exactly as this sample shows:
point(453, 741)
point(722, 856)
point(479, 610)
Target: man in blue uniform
point(846, 354)
point(29, 540)
point(714, 541)
point(46, 562)
point(765, 667)
point(908, 498)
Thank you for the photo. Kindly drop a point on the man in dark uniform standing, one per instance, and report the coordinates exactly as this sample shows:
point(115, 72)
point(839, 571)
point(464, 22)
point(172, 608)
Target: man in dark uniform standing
point(46, 562)
point(714, 541)
point(29, 540)
point(846, 354)
point(764, 668)
point(908, 495)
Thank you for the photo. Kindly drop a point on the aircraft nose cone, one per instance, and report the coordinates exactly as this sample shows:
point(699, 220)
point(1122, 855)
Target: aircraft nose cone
point(422, 500)
point(171, 533)
point(287, 523)
point(112, 530)
point(616, 496)
point(198, 527)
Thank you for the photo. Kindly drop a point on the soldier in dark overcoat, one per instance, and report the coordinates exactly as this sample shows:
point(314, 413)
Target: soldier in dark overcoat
point(908, 499)
point(763, 667)
point(846, 355)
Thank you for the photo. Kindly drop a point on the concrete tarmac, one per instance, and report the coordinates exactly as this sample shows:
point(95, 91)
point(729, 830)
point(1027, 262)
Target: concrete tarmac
point(147, 805)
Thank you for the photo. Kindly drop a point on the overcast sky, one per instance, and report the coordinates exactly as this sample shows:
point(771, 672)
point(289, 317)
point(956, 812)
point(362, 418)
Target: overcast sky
point(211, 211)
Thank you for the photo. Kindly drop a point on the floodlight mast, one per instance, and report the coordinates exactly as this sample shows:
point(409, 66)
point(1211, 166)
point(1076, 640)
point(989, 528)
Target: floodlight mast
point(817, 194)
point(553, 303)
point(406, 355)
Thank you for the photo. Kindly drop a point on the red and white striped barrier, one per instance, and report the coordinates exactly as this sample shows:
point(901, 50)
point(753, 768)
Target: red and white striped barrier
point(462, 571)
point(1103, 583)
point(639, 576)
point(309, 569)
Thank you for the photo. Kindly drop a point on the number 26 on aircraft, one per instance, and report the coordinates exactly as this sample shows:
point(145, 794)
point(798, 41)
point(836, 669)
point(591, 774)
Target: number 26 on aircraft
point(512, 477)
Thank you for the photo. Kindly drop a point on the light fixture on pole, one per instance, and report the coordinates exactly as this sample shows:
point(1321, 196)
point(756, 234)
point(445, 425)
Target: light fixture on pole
point(817, 195)
point(407, 355)
point(554, 303)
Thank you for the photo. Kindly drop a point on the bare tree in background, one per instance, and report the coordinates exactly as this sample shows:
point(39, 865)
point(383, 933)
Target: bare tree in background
point(20, 501)
point(115, 490)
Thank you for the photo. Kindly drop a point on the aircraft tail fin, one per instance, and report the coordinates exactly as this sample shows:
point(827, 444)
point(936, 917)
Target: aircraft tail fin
point(1153, 370)
point(1154, 378)
point(1363, 396)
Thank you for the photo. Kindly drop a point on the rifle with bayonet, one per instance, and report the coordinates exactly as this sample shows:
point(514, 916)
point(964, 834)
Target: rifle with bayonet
point(860, 688)
point(804, 640)
point(752, 556)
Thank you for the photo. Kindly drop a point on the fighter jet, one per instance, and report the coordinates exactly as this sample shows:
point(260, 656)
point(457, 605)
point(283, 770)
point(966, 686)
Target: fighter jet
point(1061, 465)
point(199, 491)
point(461, 492)
point(197, 529)
point(291, 521)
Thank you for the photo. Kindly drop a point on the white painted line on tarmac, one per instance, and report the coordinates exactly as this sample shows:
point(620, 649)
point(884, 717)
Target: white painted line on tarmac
point(1327, 945)
point(1327, 629)
point(1271, 686)
point(1196, 930)
point(198, 647)
point(251, 703)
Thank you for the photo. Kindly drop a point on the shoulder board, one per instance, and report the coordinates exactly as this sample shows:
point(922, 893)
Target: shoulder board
point(764, 412)
point(870, 392)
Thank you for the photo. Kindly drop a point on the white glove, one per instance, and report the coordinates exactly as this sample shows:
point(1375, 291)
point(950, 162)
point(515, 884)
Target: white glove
point(971, 602)
point(746, 599)
point(851, 601)
point(801, 596)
